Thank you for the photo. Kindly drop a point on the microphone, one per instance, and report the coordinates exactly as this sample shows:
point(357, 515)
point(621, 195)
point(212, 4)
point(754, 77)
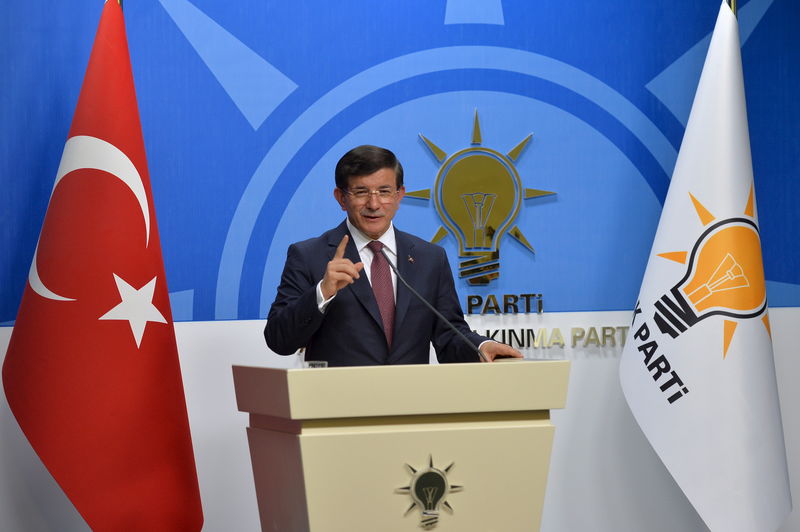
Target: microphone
point(438, 314)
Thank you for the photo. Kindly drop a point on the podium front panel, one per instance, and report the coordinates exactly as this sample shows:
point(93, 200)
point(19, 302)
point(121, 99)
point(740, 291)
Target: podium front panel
point(353, 474)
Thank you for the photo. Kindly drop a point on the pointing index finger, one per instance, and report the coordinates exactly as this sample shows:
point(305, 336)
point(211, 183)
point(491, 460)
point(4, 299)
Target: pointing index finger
point(340, 248)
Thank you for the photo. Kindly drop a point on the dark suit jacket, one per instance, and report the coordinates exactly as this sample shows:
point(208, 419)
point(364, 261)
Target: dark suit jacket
point(350, 332)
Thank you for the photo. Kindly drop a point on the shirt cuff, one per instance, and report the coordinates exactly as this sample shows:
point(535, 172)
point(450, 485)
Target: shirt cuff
point(322, 303)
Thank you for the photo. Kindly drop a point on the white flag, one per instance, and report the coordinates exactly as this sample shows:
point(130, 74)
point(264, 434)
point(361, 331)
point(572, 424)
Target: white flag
point(697, 370)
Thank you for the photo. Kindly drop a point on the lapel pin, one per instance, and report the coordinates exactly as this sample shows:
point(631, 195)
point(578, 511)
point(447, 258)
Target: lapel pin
point(411, 259)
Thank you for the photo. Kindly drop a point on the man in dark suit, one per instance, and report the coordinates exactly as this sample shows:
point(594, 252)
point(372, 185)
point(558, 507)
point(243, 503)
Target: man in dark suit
point(339, 299)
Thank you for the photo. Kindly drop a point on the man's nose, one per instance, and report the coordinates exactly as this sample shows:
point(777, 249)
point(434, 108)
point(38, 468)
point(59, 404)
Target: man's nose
point(373, 202)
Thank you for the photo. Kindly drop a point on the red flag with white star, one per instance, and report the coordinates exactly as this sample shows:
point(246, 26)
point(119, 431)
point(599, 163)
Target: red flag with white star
point(92, 372)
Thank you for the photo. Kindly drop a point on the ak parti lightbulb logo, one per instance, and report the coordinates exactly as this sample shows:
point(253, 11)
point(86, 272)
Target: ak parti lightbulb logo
point(724, 276)
point(478, 194)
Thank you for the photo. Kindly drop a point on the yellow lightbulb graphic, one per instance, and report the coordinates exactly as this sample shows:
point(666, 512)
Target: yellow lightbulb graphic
point(725, 277)
point(478, 194)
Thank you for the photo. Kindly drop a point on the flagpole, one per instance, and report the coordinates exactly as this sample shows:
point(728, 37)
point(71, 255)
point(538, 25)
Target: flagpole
point(731, 3)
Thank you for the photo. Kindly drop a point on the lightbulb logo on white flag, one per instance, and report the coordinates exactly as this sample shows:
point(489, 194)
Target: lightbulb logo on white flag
point(698, 370)
point(724, 277)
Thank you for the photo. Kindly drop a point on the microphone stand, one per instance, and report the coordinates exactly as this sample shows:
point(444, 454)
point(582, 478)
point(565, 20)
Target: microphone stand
point(438, 314)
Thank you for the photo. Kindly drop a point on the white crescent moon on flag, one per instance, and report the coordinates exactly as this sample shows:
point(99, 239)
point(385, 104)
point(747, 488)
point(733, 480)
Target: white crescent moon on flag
point(84, 152)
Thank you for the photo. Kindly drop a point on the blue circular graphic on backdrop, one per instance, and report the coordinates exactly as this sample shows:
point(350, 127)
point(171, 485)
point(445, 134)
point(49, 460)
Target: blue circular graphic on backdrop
point(492, 59)
point(576, 266)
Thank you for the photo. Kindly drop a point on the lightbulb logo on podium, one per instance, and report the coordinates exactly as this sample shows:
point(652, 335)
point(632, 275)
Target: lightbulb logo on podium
point(724, 277)
point(429, 489)
point(478, 194)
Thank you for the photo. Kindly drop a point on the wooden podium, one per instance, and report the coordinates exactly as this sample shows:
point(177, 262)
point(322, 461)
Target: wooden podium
point(451, 447)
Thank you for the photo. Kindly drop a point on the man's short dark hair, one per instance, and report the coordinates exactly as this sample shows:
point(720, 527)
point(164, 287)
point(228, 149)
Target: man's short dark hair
point(366, 160)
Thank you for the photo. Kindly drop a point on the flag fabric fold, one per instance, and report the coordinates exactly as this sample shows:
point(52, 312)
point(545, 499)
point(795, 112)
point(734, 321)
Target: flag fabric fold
point(91, 372)
point(697, 370)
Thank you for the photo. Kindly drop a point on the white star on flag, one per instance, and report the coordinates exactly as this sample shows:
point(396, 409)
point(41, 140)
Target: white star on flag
point(136, 307)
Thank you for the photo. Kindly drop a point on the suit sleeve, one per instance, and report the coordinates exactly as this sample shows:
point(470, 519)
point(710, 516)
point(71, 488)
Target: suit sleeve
point(294, 316)
point(448, 345)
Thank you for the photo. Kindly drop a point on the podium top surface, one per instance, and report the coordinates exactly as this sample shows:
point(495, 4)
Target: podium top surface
point(325, 393)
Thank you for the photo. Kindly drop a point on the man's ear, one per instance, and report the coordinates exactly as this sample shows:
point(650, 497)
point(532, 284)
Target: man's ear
point(340, 197)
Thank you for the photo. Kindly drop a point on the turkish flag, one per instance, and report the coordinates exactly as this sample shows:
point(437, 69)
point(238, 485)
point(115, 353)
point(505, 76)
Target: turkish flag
point(92, 372)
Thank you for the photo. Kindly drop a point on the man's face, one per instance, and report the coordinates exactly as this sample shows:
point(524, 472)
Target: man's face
point(366, 208)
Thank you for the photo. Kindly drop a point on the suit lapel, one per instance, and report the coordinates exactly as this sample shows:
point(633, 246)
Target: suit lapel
point(361, 287)
point(408, 269)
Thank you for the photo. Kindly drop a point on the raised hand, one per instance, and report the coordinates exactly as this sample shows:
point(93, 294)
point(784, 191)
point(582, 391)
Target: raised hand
point(340, 271)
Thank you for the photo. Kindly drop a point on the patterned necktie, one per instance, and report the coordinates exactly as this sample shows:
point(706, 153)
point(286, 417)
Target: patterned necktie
point(381, 279)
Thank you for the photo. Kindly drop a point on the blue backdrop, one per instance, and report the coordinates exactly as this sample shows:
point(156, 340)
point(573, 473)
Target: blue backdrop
point(247, 105)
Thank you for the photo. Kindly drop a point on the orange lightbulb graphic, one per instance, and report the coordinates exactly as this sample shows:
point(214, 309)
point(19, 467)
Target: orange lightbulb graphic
point(725, 277)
